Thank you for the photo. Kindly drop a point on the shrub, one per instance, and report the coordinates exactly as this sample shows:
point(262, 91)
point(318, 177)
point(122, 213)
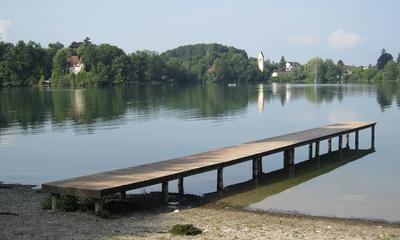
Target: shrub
point(45, 204)
point(86, 204)
point(67, 204)
point(185, 229)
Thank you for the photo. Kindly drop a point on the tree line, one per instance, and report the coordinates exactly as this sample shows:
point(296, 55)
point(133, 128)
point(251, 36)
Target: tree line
point(26, 64)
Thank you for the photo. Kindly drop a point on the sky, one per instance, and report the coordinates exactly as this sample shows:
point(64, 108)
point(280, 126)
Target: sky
point(354, 31)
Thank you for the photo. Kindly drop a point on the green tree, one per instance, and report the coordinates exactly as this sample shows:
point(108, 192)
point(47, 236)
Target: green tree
point(282, 64)
point(315, 70)
point(332, 72)
point(383, 59)
point(60, 65)
point(390, 72)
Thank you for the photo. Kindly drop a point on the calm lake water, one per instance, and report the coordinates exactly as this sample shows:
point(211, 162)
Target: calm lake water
point(48, 135)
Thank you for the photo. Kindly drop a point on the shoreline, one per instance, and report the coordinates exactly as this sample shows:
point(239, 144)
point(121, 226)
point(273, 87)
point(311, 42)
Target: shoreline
point(24, 219)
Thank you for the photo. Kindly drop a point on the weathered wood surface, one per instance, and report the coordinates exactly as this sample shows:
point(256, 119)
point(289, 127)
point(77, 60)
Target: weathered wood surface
point(106, 183)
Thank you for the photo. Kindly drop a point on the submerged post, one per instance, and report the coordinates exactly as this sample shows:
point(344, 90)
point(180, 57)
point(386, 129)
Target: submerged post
point(373, 136)
point(257, 167)
point(340, 145)
point(164, 192)
point(180, 186)
point(317, 149)
point(288, 158)
point(329, 145)
point(357, 140)
point(220, 179)
point(310, 151)
point(54, 199)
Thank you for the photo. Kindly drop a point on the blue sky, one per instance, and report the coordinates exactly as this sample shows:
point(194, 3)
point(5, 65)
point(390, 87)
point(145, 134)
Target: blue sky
point(354, 31)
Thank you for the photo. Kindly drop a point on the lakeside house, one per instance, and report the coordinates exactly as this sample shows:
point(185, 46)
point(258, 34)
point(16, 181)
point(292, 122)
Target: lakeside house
point(75, 64)
point(291, 65)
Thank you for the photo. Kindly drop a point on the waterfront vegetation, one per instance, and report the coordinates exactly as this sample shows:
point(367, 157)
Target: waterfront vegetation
point(29, 64)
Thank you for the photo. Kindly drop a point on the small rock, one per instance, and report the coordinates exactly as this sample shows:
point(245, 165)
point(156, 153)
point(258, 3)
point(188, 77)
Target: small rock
point(176, 211)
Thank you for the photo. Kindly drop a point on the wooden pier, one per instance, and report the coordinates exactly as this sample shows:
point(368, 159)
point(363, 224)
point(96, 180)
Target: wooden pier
point(100, 185)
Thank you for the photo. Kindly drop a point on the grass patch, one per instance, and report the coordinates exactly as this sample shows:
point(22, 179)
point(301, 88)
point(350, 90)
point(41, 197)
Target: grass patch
point(185, 229)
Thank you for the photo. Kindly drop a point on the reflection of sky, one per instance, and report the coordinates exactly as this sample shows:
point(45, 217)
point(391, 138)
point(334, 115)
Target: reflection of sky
point(54, 151)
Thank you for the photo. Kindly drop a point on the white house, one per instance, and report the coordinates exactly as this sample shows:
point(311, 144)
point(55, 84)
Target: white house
point(75, 64)
point(291, 65)
point(260, 61)
point(274, 74)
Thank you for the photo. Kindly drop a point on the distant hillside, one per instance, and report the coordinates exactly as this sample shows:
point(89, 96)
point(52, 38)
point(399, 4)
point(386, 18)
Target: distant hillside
point(215, 63)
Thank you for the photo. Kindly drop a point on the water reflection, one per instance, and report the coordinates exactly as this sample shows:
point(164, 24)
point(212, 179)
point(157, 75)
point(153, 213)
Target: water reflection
point(271, 183)
point(261, 98)
point(32, 108)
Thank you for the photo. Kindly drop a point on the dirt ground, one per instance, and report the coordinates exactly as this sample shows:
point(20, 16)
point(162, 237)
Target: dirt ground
point(22, 218)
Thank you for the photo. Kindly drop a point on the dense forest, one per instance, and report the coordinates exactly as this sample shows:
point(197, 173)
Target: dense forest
point(28, 64)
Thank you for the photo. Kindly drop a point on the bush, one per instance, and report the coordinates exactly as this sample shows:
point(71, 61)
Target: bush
point(67, 204)
point(185, 229)
point(86, 204)
point(45, 204)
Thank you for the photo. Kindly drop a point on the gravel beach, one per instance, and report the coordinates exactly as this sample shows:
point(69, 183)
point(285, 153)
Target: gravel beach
point(22, 218)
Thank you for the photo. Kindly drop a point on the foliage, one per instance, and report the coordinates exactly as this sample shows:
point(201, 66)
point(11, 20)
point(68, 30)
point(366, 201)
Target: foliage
point(68, 203)
point(23, 64)
point(282, 64)
point(390, 71)
point(28, 64)
point(185, 229)
point(215, 63)
point(45, 204)
point(383, 59)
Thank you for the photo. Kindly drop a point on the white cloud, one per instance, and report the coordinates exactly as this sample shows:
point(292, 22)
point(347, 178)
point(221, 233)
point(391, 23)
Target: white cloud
point(339, 40)
point(303, 40)
point(4, 25)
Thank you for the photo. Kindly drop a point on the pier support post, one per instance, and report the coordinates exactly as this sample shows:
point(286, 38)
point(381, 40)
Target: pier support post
point(330, 145)
point(357, 140)
point(347, 140)
point(164, 192)
point(260, 169)
point(54, 199)
point(373, 137)
point(288, 158)
point(310, 151)
point(98, 205)
point(122, 195)
point(220, 179)
point(340, 145)
point(257, 167)
point(317, 149)
point(180, 186)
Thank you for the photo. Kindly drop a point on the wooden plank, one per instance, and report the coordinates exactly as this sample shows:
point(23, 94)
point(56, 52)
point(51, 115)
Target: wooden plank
point(105, 183)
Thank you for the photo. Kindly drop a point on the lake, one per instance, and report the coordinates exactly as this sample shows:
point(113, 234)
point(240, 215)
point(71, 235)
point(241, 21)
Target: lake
point(53, 134)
